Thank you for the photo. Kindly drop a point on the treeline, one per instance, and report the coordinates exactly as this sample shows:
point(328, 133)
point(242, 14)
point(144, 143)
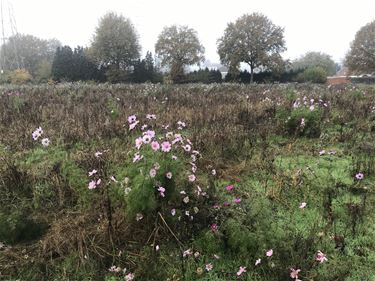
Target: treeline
point(252, 42)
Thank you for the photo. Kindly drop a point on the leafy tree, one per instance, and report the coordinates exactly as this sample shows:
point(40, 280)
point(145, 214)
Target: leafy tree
point(252, 39)
point(28, 52)
point(115, 45)
point(74, 65)
point(315, 59)
point(177, 47)
point(361, 57)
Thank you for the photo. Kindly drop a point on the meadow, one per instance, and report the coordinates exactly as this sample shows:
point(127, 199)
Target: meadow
point(187, 182)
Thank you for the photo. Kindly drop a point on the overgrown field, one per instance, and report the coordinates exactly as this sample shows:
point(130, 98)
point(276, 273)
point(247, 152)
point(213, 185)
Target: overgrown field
point(191, 182)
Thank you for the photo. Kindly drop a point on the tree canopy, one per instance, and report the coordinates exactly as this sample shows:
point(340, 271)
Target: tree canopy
point(177, 47)
point(315, 59)
point(27, 52)
point(361, 57)
point(254, 40)
point(115, 42)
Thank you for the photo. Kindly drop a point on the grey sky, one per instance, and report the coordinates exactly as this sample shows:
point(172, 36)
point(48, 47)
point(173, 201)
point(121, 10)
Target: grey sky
point(320, 25)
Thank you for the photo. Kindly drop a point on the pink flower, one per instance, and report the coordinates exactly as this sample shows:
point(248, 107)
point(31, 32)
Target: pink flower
point(93, 172)
point(303, 205)
point(187, 253)
point(209, 267)
point(151, 116)
point(138, 142)
point(191, 178)
point(214, 227)
point(174, 157)
point(166, 146)
point(151, 133)
point(143, 127)
point(133, 125)
point(241, 270)
point(137, 157)
point(46, 142)
point(237, 200)
point(146, 139)
point(294, 273)
point(152, 173)
point(322, 152)
point(132, 119)
point(98, 154)
point(37, 133)
point(92, 184)
point(155, 146)
point(321, 257)
point(113, 179)
point(169, 175)
point(226, 204)
point(359, 176)
point(129, 277)
point(258, 261)
point(161, 191)
point(187, 147)
point(229, 187)
point(173, 212)
point(213, 172)
point(269, 253)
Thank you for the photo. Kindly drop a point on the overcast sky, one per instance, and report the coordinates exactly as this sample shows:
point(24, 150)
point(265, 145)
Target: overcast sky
point(317, 25)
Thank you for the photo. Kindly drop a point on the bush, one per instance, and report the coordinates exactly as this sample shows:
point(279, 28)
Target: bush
point(313, 74)
point(20, 76)
point(304, 122)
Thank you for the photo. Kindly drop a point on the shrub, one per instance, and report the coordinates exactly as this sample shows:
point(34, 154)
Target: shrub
point(313, 74)
point(20, 76)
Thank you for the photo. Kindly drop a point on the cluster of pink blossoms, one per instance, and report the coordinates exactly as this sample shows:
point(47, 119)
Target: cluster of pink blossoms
point(37, 134)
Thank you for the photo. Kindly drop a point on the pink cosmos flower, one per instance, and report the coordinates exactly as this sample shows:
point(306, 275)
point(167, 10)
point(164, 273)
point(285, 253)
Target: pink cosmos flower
point(161, 191)
point(138, 142)
point(37, 133)
point(132, 119)
point(186, 147)
point(155, 146)
point(258, 261)
point(137, 157)
point(213, 172)
point(92, 184)
point(146, 139)
point(191, 178)
point(322, 152)
point(241, 270)
point(115, 269)
point(359, 176)
point(152, 173)
point(237, 200)
point(209, 267)
point(229, 187)
point(173, 212)
point(166, 146)
point(169, 175)
point(133, 125)
point(143, 127)
point(214, 227)
point(129, 277)
point(321, 257)
point(113, 179)
point(269, 253)
point(98, 154)
point(294, 273)
point(93, 172)
point(303, 205)
point(193, 168)
point(187, 253)
point(46, 142)
point(151, 133)
point(151, 116)
point(174, 157)
point(312, 107)
point(186, 199)
point(226, 204)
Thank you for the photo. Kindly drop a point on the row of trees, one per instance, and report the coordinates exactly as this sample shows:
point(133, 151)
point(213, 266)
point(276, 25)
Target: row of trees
point(114, 54)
